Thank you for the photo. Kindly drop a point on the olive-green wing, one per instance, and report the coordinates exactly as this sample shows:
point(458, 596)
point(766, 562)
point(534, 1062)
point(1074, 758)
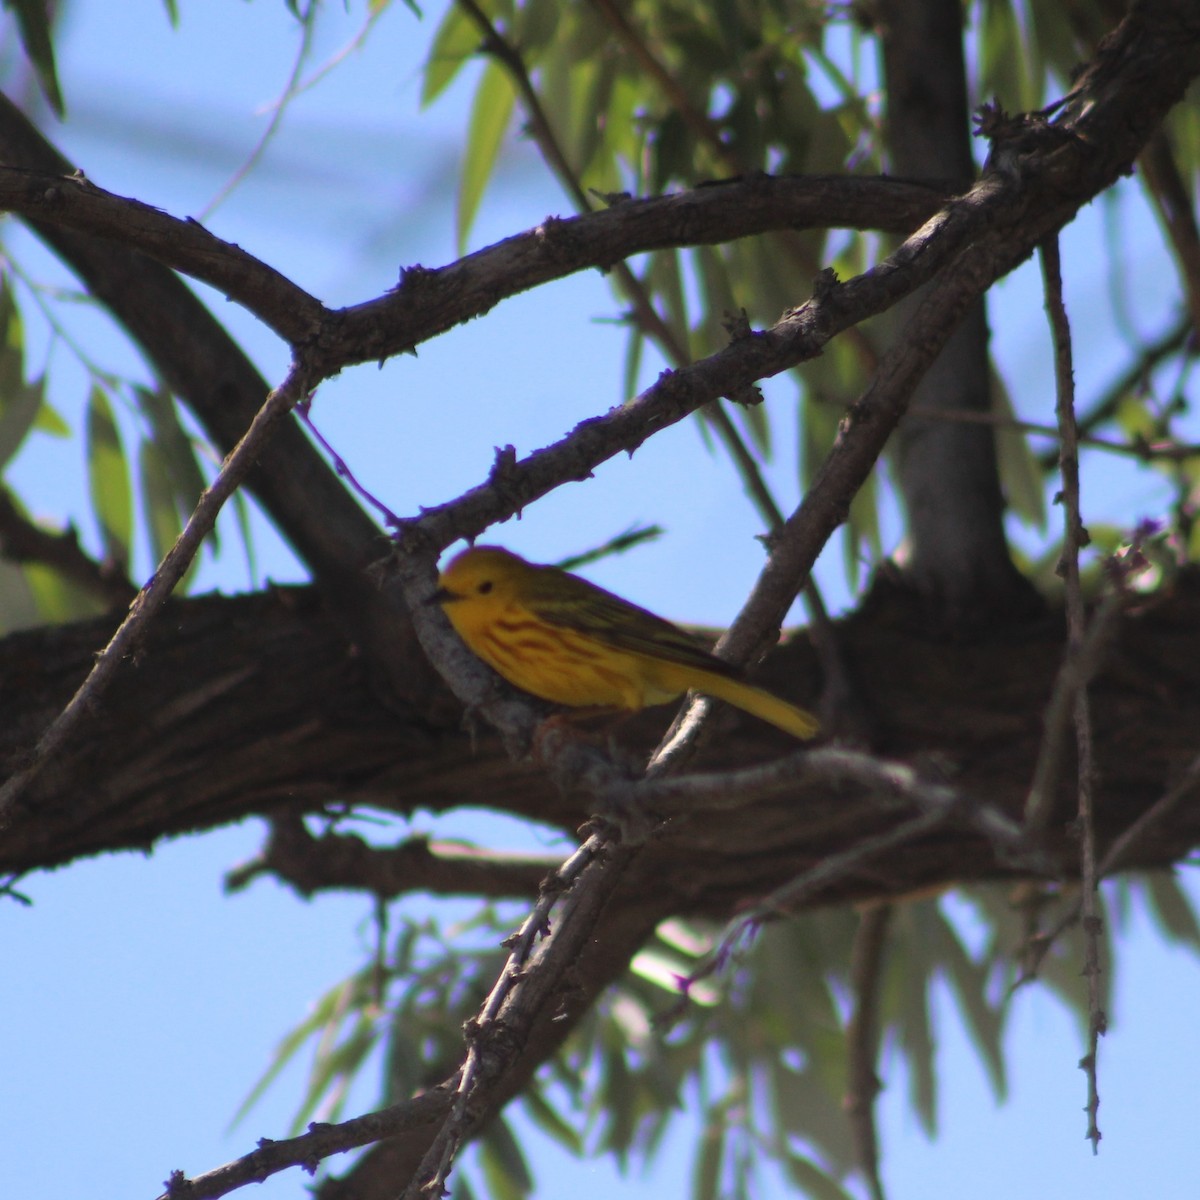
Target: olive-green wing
point(573, 603)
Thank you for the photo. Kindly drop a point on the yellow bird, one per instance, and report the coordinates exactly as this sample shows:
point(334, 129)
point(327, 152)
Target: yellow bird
point(570, 642)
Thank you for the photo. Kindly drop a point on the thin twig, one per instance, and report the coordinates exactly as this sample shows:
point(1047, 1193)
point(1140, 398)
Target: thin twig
point(829, 870)
point(1074, 538)
point(321, 1141)
point(303, 412)
point(290, 91)
point(430, 1177)
point(1074, 675)
point(1144, 451)
point(154, 594)
point(863, 1039)
point(1117, 857)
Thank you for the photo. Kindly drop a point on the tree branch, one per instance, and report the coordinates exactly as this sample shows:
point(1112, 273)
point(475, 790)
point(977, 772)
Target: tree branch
point(1074, 538)
point(149, 601)
point(340, 862)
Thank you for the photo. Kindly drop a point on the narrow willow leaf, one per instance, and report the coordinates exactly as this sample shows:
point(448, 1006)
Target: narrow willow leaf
point(158, 500)
point(50, 421)
point(108, 477)
point(547, 1119)
point(806, 1106)
point(503, 1164)
point(176, 451)
point(58, 599)
point(33, 22)
point(328, 1009)
point(909, 975)
point(457, 39)
point(490, 115)
point(241, 510)
point(706, 1174)
point(1020, 476)
point(19, 411)
point(812, 1180)
point(969, 980)
point(337, 1066)
point(665, 278)
point(1171, 908)
point(633, 364)
point(18, 607)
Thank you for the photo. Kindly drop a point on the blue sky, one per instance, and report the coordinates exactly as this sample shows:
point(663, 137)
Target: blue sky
point(141, 1004)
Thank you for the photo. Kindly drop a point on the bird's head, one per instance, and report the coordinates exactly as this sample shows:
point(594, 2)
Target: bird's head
point(481, 578)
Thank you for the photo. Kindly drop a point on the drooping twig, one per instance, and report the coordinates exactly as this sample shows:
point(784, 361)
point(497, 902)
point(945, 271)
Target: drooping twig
point(149, 601)
point(1142, 450)
point(1078, 668)
point(1076, 537)
point(830, 869)
point(863, 1038)
point(1178, 336)
point(589, 875)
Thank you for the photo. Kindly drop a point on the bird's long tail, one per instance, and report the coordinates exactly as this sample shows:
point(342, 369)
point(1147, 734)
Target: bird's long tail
point(759, 703)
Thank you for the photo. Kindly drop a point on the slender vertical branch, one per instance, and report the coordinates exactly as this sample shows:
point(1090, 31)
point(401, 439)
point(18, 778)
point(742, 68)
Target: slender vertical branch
point(862, 1040)
point(150, 600)
point(1074, 539)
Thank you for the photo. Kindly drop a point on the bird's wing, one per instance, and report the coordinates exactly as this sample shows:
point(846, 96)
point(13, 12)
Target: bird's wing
point(592, 611)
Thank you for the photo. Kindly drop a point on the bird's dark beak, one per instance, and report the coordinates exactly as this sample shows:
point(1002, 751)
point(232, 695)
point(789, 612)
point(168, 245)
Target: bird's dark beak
point(442, 596)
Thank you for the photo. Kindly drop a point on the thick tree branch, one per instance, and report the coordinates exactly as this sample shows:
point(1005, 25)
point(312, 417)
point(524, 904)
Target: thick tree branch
point(427, 301)
point(344, 862)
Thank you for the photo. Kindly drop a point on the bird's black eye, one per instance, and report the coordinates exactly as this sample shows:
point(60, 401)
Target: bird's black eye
point(485, 587)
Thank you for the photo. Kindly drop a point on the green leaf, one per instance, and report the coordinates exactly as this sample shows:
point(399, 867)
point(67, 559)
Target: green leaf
point(18, 415)
point(175, 450)
point(1020, 475)
point(503, 1164)
point(1172, 910)
point(158, 500)
point(812, 1180)
point(706, 1174)
point(18, 607)
point(547, 1119)
point(1006, 69)
point(490, 115)
point(327, 1012)
point(241, 510)
point(58, 599)
point(909, 975)
point(970, 982)
point(457, 39)
point(108, 477)
point(50, 421)
point(334, 1069)
point(33, 22)
point(633, 364)
point(462, 1187)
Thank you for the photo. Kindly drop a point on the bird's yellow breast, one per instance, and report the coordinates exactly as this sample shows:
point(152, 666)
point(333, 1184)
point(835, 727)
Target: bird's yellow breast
point(556, 663)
